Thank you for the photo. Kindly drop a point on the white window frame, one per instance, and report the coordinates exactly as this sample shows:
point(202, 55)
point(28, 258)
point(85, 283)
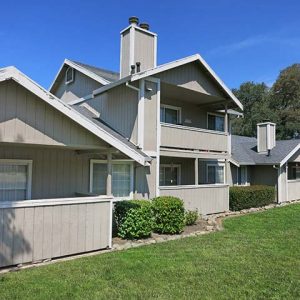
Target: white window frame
point(177, 108)
point(67, 71)
point(178, 166)
point(216, 165)
point(293, 167)
point(114, 162)
point(215, 114)
point(22, 162)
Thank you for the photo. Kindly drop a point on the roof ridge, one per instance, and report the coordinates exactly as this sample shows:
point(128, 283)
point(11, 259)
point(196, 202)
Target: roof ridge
point(91, 66)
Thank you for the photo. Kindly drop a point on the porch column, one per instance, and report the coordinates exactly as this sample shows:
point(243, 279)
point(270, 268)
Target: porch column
point(196, 171)
point(109, 172)
point(226, 120)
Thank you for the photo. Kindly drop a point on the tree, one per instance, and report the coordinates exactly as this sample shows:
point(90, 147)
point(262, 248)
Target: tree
point(255, 99)
point(285, 100)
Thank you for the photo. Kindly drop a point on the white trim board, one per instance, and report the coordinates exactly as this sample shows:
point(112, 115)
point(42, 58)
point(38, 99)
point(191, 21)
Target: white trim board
point(14, 74)
point(80, 69)
point(294, 151)
point(183, 61)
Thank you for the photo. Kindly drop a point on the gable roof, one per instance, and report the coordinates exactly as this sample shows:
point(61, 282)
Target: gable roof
point(165, 67)
point(100, 75)
point(183, 61)
point(244, 151)
point(11, 73)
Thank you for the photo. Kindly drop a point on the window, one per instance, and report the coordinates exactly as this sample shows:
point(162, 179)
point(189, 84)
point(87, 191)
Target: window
point(215, 122)
point(169, 175)
point(294, 171)
point(122, 177)
point(69, 75)
point(170, 114)
point(15, 180)
point(215, 174)
point(242, 175)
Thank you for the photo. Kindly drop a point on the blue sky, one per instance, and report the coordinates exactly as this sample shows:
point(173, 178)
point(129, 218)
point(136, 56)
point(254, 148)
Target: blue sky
point(241, 40)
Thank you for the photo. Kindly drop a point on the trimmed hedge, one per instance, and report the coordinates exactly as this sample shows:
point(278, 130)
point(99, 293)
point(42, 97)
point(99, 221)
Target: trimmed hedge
point(168, 215)
point(250, 196)
point(134, 219)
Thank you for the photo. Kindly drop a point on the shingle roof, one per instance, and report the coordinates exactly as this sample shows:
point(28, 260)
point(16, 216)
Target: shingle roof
point(110, 76)
point(244, 151)
point(92, 117)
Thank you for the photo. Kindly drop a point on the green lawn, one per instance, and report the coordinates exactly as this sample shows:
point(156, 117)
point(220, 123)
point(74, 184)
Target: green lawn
point(256, 257)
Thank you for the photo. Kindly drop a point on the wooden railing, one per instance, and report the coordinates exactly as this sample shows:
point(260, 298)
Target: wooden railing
point(206, 199)
point(183, 137)
point(35, 230)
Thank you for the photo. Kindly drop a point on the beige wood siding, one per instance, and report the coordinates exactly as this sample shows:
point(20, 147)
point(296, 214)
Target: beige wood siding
point(262, 138)
point(144, 49)
point(56, 173)
point(26, 119)
point(263, 175)
point(36, 232)
point(145, 181)
point(80, 87)
point(192, 76)
point(205, 199)
point(125, 54)
point(150, 117)
point(192, 138)
point(293, 190)
point(118, 108)
point(191, 114)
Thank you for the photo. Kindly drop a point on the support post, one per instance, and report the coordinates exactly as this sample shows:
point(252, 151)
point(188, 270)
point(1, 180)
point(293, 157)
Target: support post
point(196, 171)
point(109, 174)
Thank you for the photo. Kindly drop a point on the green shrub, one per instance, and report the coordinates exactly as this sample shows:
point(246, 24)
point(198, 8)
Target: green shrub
point(134, 219)
point(250, 196)
point(191, 217)
point(168, 215)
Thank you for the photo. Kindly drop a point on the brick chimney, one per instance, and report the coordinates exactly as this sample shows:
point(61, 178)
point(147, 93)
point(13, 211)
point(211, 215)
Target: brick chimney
point(138, 48)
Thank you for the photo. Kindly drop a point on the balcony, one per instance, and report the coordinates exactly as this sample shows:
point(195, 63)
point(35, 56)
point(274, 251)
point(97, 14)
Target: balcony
point(191, 138)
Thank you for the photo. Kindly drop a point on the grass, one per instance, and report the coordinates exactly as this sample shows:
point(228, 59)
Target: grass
point(256, 257)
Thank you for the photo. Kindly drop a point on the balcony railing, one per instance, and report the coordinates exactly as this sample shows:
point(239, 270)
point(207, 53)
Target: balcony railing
point(183, 137)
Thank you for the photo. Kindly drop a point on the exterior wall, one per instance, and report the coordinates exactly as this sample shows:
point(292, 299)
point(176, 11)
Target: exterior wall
point(262, 138)
point(191, 76)
point(118, 108)
point(150, 117)
point(187, 166)
point(144, 49)
point(177, 136)
point(145, 181)
point(293, 187)
point(80, 87)
point(191, 114)
point(34, 231)
point(282, 184)
point(207, 199)
point(26, 119)
point(263, 175)
point(125, 54)
point(56, 173)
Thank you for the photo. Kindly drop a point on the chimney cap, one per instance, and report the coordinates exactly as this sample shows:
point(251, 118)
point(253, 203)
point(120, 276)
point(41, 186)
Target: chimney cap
point(133, 20)
point(145, 26)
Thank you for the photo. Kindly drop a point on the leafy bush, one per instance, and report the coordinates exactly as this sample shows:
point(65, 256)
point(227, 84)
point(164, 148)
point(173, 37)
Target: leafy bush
point(134, 219)
point(191, 217)
point(250, 196)
point(168, 215)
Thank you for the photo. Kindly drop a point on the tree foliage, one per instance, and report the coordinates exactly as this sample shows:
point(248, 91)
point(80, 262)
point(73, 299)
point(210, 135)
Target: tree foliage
point(279, 104)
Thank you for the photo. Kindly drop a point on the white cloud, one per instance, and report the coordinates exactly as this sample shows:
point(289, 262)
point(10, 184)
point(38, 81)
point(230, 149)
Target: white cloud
point(254, 41)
